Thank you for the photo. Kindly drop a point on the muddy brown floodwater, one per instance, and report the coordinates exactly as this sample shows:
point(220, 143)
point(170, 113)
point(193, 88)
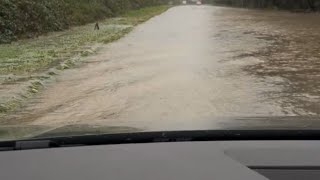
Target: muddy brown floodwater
point(194, 67)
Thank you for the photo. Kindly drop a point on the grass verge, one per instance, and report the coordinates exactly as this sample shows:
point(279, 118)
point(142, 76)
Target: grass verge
point(26, 64)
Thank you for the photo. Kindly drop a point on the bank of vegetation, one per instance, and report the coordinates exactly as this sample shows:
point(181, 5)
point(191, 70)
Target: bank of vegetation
point(303, 5)
point(29, 18)
point(28, 64)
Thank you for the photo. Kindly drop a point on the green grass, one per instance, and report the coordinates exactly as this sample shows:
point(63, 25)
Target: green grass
point(144, 13)
point(21, 61)
point(34, 55)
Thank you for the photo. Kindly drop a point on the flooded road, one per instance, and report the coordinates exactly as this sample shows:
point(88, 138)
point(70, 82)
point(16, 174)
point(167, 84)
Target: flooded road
point(194, 67)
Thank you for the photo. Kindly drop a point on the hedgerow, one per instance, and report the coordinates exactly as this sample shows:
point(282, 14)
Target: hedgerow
point(28, 18)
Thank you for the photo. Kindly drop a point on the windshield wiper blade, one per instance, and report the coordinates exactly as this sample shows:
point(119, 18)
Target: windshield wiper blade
point(152, 137)
point(27, 144)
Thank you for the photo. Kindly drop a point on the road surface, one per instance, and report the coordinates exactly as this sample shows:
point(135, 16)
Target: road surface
point(194, 67)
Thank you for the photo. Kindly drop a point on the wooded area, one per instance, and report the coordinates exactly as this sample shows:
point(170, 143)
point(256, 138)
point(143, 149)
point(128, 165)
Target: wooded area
point(27, 18)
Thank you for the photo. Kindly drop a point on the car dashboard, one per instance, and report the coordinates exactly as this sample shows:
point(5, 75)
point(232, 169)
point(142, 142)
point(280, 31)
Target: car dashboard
point(226, 160)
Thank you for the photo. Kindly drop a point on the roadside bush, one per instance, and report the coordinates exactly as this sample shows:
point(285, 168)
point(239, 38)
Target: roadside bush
point(28, 18)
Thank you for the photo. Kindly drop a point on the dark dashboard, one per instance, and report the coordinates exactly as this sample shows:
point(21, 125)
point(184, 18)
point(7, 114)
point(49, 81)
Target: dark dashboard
point(178, 160)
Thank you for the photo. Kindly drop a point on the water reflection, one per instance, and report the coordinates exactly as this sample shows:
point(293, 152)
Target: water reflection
point(190, 67)
point(292, 53)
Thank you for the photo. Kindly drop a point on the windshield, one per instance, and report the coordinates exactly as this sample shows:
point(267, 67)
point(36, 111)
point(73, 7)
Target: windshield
point(77, 67)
